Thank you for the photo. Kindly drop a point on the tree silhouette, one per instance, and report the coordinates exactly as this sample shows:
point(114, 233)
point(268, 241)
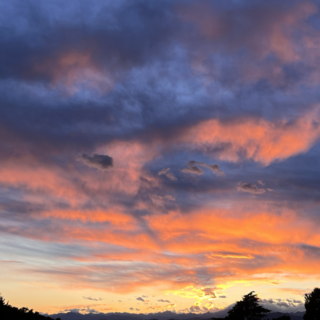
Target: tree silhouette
point(248, 309)
point(312, 305)
point(8, 312)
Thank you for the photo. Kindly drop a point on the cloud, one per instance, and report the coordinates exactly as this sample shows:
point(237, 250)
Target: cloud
point(249, 187)
point(209, 292)
point(75, 310)
point(195, 309)
point(260, 140)
point(153, 84)
point(222, 297)
point(291, 304)
point(10, 261)
point(92, 299)
point(193, 168)
point(98, 161)
point(161, 300)
point(231, 256)
point(213, 167)
point(166, 173)
point(140, 299)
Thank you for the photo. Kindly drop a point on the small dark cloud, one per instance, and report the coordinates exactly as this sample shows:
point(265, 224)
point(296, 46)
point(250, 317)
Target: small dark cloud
point(223, 297)
point(213, 167)
point(193, 167)
point(250, 187)
point(92, 299)
point(98, 161)
point(161, 300)
point(144, 296)
point(140, 299)
point(131, 308)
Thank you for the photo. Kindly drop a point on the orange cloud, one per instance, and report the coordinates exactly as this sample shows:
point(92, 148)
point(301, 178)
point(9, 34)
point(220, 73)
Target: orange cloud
point(258, 139)
point(231, 256)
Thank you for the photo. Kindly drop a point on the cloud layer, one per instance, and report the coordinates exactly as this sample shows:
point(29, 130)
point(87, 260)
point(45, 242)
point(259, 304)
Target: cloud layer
point(169, 146)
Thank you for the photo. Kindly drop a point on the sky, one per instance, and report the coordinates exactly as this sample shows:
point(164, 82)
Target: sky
point(159, 155)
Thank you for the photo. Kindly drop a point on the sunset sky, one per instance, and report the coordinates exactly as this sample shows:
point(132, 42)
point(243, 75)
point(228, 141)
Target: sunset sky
point(159, 155)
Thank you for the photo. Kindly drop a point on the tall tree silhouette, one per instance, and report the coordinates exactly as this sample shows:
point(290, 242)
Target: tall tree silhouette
point(248, 309)
point(312, 305)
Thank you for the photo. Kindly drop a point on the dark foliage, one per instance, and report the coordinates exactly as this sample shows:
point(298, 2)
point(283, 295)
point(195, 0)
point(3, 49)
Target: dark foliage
point(312, 305)
point(247, 309)
point(8, 312)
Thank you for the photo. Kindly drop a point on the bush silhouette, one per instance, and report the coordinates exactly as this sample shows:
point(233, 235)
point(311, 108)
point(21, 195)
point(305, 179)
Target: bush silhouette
point(247, 309)
point(8, 312)
point(312, 305)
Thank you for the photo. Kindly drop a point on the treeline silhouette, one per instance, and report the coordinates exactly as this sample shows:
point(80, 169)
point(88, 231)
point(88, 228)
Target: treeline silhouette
point(246, 309)
point(8, 312)
point(250, 309)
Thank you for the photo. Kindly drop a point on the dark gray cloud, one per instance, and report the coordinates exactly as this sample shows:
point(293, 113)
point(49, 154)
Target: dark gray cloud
point(140, 299)
point(250, 187)
point(98, 161)
point(161, 300)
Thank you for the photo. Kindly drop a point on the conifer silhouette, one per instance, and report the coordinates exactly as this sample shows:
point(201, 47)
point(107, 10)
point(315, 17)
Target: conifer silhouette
point(247, 309)
point(312, 305)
